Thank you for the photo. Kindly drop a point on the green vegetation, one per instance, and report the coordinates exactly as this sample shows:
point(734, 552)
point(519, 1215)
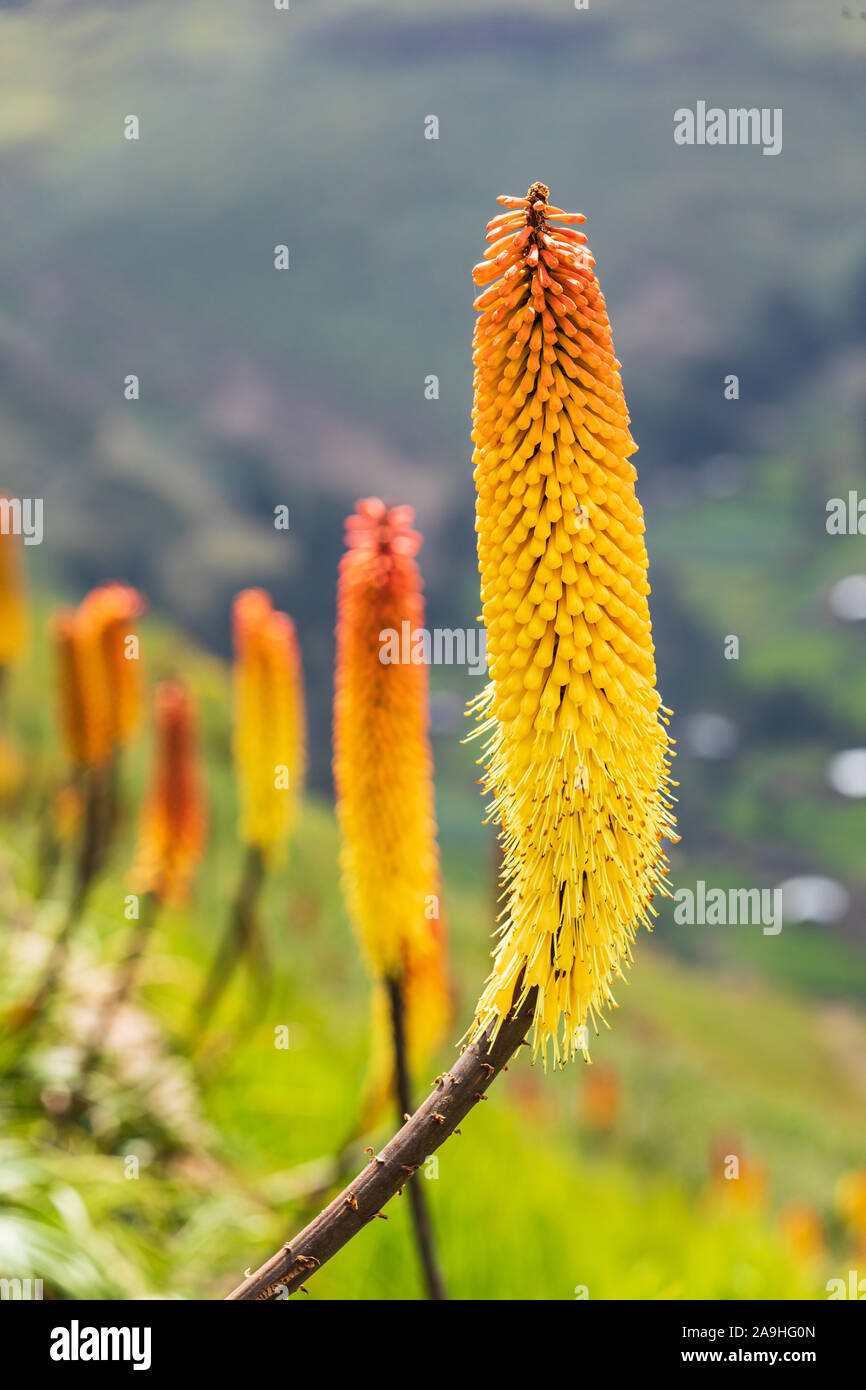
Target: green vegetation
point(226, 1143)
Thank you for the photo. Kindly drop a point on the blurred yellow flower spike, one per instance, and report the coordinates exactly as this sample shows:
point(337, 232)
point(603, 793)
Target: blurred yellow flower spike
point(174, 815)
point(269, 722)
point(851, 1200)
point(14, 614)
point(99, 673)
point(110, 614)
point(383, 766)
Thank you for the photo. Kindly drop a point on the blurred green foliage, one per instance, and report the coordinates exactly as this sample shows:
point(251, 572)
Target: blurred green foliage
point(531, 1201)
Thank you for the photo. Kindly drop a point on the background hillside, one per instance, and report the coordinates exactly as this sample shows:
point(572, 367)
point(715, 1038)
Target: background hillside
point(306, 388)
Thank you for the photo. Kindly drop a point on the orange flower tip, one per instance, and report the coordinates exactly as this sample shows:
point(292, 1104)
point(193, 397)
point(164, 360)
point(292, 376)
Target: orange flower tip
point(376, 528)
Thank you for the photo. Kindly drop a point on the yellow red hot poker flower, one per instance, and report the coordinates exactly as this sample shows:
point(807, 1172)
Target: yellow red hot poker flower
point(269, 720)
point(269, 749)
point(577, 752)
point(13, 599)
point(82, 686)
point(383, 770)
point(174, 814)
point(382, 761)
point(110, 613)
point(14, 634)
point(100, 680)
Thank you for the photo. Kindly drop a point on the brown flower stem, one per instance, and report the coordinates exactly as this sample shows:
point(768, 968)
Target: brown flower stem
point(86, 869)
point(418, 1203)
point(111, 809)
point(241, 935)
point(90, 852)
point(47, 849)
point(26, 1017)
point(330, 1174)
point(117, 997)
point(454, 1095)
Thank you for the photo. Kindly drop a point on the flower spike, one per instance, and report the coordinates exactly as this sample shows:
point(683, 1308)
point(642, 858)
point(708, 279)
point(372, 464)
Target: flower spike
point(577, 752)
